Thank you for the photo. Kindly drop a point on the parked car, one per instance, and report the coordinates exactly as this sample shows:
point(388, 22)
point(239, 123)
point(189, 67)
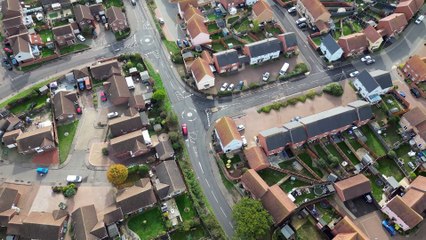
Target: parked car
point(179, 43)
point(353, 74)
point(402, 94)
point(302, 25)
point(364, 59)
point(230, 87)
point(186, 43)
point(368, 198)
point(389, 228)
point(224, 87)
point(240, 127)
point(133, 2)
point(291, 10)
point(419, 19)
point(370, 61)
point(103, 96)
point(42, 171)
point(81, 85)
point(161, 21)
point(79, 111)
point(81, 38)
point(112, 115)
point(184, 129)
point(74, 179)
point(300, 20)
point(415, 92)
point(243, 138)
point(411, 165)
point(103, 19)
point(266, 76)
point(240, 85)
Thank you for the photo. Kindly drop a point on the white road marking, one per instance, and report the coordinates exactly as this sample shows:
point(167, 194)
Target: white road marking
point(230, 224)
point(215, 198)
point(223, 212)
point(208, 184)
point(202, 170)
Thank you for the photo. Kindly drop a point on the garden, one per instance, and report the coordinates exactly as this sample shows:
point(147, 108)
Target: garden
point(346, 150)
point(33, 101)
point(290, 165)
point(66, 135)
point(290, 184)
point(376, 187)
point(326, 211)
point(402, 153)
point(309, 231)
point(373, 142)
point(388, 167)
point(270, 176)
point(308, 161)
point(391, 102)
point(73, 48)
point(148, 225)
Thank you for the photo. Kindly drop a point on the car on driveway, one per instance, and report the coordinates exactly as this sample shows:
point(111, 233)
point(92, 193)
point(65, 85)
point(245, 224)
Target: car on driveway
point(402, 94)
point(231, 87)
point(415, 92)
point(291, 10)
point(370, 61)
point(364, 59)
point(184, 129)
point(240, 127)
point(302, 25)
point(7, 65)
point(179, 43)
point(103, 96)
point(420, 19)
point(112, 115)
point(353, 74)
point(81, 38)
point(74, 179)
point(224, 87)
point(266, 76)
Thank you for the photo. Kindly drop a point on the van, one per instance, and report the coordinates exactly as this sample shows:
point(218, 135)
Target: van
point(300, 20)
point(130, 83)
point(284, 69)
point(88, 85)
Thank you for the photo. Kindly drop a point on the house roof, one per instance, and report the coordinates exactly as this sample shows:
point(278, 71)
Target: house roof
point(81, 73)
point(168, 173)
point(415, 199)
point(227, 130)
point(42, 225)
point(367, 81)
point(260, 7)
point(419, 183)
point(118, 87)
point(84, 219)
point(130, 142)
point(297, 131)
point(206, 56)
point(275, 137)
point(11, 8)
point(415, 116)
point(136, 197)
point(8, 197)
point(124, 124)
point(200, 68)
point(63, 31)
point(191, 11)
point(136, 101)
point(10, 137)
point(63, 103)
point(413, 5)
point(184, 4)
point(96, 8)
point(329, 43)
point(112, 214)
point(346, 229)
point(48, 2)
point(372, 34)
point(256, 158)
point(363, 109)
point(263, 47)
point(13, 22)
point(115, 14)
point(196, 26)
point(417, 65)
point(254, 183)
point(226, 58)
point(82, 12)
point(21, 44)
point(315, 7)
point(278, 204)
point(36, 138)
point(105, 70)
point(404, 212)
point(353, 187)
point(289, 38)
point(392, 22)
point(354, 41)
point(383, 78)
point(164, 150)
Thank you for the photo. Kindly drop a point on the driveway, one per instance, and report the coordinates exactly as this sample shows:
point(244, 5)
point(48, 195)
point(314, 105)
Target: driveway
point(371, 225)
point(87, 133)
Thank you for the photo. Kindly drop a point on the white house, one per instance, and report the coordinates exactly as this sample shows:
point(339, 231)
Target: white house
point(262, 51)
point(21, 48)
point(197, 31)
point(227, 135)
point(331, 50)
point(372, 85)
point(202, 74)
point(401, 214)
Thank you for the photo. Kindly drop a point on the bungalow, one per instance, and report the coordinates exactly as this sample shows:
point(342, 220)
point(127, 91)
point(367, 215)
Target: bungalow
point(226, 61)
point(409, 8)
point(331, 50)
point(372, 85)
point(353, 44)
point(197, 31)
point(352, 187)
point(289, 42)
point(64, 105)
point(125, 124)
point(315, 13)
point(86, 224)
point(116, 19)
point(254, 184)
point(170, 182)
point(136, 198)
point(415, 120)
point(262, 12)
point(128, 146)
point(105, 70)
point(117, 90)
point(83, 17)
point(263, 50)
point(346, 229)
point(401, 214)
point(164, 148)
point(278, 204)
point(256, 158)
point(202, 74)
point(184, 5)
point(64, 35)
point(9, 138)
point(374, 38)
point(9, 197)
point(22, 48)
point(36, 141)
point(11, 8)
point(393, 24)
point(227, 135)
point(415, 68)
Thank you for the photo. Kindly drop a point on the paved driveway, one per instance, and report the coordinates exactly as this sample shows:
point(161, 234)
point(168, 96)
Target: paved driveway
point(87, 133)
point(371, 225)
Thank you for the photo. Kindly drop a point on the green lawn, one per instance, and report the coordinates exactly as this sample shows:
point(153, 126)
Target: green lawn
point(337, 34)
point(402, 152)
point(354, 143)
point(45, 52)
point(345, 149)
point(231, 20)
point(389, 168)
point(244, 25)
point(309, 231)
point(346, 30)
point(171, 46)
point(333, 150)
point(212, 17)
point(271, 176)
point(60, 23)
point(289, 166)
point(45, 35)
point(115, 3)
point(65, 142)
point(379, 114)
point(194, 234)
point(308, 161)
point(218, 47)
point(391, 135)
point(317, 41)
point(322, 154)
point(38, 100)
point(288, 185)
point(185, 206)
point(273, 30)
point(391, 102)
point(356, 26)
point(212, 27)
point(372, 142)
point(53, 15)
point(327, 213)
point(247, 38)
point(234, 42)
point(376, 190)
point(73, 48)
point(148, 225)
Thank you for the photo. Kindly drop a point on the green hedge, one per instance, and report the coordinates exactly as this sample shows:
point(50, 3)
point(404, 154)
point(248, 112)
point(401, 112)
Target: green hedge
point(299, 69)
point(292, 101)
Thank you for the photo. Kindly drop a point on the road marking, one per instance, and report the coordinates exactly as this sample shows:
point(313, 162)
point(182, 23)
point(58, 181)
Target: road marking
point(202, 170)
point(215, 198)
point(230, 224)
point(221, 209)
point(208, 184)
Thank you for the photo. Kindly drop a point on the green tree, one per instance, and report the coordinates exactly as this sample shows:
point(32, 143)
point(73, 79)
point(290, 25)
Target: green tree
point(143, 170)
point(117, 174)
point(392, 154)
point(333, 89)
point(174, 136)
point(70, 192)
point(140, 67)
point(256, 27)
point(159, 95)
point(334, 161)
point(252, 220)
point(322, 162)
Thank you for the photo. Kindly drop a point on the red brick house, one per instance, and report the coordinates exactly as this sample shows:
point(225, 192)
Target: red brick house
point(392, 24)
point(352, 187)
point(289, 41)
point(83, 16)
point(262, 12)
point(353, 44)
point(256, 158)
point(409, 7)
point(415, 68)
point(226, 61)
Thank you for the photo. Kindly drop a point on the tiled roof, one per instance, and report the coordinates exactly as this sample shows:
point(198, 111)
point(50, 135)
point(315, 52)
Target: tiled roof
point(191, 12)
point(315, 7)
point(329, 43)
point(130, 142)
point(125, 124)
point(195, 27)
point(263, 47)
point(260, 6)
point(383, 78)
point(82, 12)
point(256, 158)
point(354, 41)
point(168, 173)
point(227, 130)
point(63, 103)
point(136, 197)
point(346, 229)
point(84, 219)
point(35, 138)
point(254, 183)
point(352, 187)
point(417, 65)
point(415, 116)
point(404, 212)
point(184, 4)
point(200, 68)
point(372, 34)
point(415, 199)
point(275, 137)
point(278, 204)
point(105, 70)
point(118, 87)
point(392, 22)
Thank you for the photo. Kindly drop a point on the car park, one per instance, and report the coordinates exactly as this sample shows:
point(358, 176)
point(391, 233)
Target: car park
point(240, 127)
point(419, 19)
point(81, 38)
point(291, 10)
point(103, 96)
point(353, 74)
point(364, 59)
point(224, 87)
point(230, 87)
point(184, 129)
point(74, 179)
point(266, 76)
point(415, 92)
point(112, 115)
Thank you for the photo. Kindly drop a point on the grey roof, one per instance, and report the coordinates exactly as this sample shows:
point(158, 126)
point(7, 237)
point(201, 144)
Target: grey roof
point(263, 47)
point(367, 81)
point(144, 75)
point(276, 137)
point(144, 118)
point(287, 231)
point(168, 173)
point(290, 39)
point(331, 45)
point(226, 58)
point(383, 78)
point(392, 182)
point(297, 131)
point(243, 59)
point(363, 109)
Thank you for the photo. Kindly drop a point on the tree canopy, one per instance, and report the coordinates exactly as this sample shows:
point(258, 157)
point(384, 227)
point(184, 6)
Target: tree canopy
point(117, 174)
point(252, 220)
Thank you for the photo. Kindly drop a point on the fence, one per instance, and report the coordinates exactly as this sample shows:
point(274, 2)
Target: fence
point(40, 60)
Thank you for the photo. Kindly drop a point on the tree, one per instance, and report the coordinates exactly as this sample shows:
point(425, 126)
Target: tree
point(322, 162)
point(392, 154)
point(159, 95)
point(143, 170)
point(333, 89)
point(117, 174)
point(252, 220)
point(334, 161)
point(140, 67)
point(70, 192)
point(174, 136)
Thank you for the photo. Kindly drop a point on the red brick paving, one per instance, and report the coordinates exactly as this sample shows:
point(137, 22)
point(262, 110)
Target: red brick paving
point(47, 158)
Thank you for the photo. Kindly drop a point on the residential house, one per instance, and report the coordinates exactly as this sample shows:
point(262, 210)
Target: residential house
point(117, 90)
point(372, 85)
point(272, 139)
point(415, 120)
point(116, 19)
point(254, 184)
point(226, 61)
point(169, 181)
point(22, 48)
point(228, 4)
point(14, 26)
point(11, 8)
point(112, 215)
point(164, 148)
point(137, 102)
point(289, 42)
point(185, 4)
point(256, 158)
point(278, 204)
point(86, 225)
point(374, 38)
point(81, 74)
point(393, 24)
point(315, 13)
point(227, 135)
point(197, 31)
point(9, 138)
point(207, 57)
point(10, 123)
point(401, 214)
point(136, 198)
point(415, 196)
point(352, 187)
point(83, 17)
point(9, 197)
point(409, 8)
point(415, 68)
point(353, 44)
point(64, 35)
point(125, 124)
point(193, 12)
point(262, 51)
point(262, 12)
point(36, 141)
point(202, 74)
point(64, 105)
point(96, 9)
point(128, 146)
point(105, 70)
point(331, 50)
point(346, 229)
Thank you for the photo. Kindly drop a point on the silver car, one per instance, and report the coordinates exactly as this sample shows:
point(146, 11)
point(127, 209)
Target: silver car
point(74, 179)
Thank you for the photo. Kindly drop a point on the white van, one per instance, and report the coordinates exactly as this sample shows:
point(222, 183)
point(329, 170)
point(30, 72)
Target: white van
point(300, 20)
point(130, 83)
point(284, 69)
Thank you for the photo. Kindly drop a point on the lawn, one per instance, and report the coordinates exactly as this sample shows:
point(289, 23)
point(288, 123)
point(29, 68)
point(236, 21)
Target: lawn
point(65, 142)
point(372, 142)
point(218, 47)
point(346, 30)
point(309, 231)
point(288, 185)
point(216, 36)
point(322, 154)
point(273, 30)
point(212, 17)
point(235, 158)
point(336, 34)
point(248, 39)
point(73, 48)
point(376, 190)
point(212, 27)
point(389, 168)
point(379, 114)
point(185, 207)
point(39, 101)
point(354, 143)
point(289, 166)
point(333, 151)
point(231, 20)
point(356, 26)
point(317, 41)
point(45, 35)
point(171, 46)
point(45, 52)
point(243, 26)
point(115, 3)
point(391, 135)
point(271, 176)
point(327, 213)
point(148, 225)
point(194, 234)
point(60, 23)
point(348, 153)
point(234, 42)
point(53, 15)
point(391, 102)
point(402, 152)
point(308, 161)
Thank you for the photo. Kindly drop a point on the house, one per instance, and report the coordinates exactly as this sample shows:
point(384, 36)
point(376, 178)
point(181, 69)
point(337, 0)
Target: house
point(136, 198)
point(415, 120)
point(64, 35)
point(86, 225)
point(409, 8)
point(36, 141)
point(197, 31)
point(83, 17)
point(116, 19)
point(415, 196)
point(96, 9)
point(80, 74)
point(11, 8)
point(170, 182)
point(128, 146)
point(289, 42)
point(228, 4)
point(352, 187)
point(112, 215)
point(118, 90)
point(185, 4)
point(415, 68)
point(331, 50)
point(22, 48)
point(193, 12)
point(346, 229)
point(227, 135)
point(372, 85)
point(272, 139)
point(263, 50)
point(202, 74)
point(125, 124)
point(10, 123)
point(226, 61)
point(393, 24)
point(14, 26)
point(374, 38)
point(278, 204)
point(256, 158)
point(164, 148)
point(254, 184)
point(401, 214)
point(105, 70)
point(64, 105)
point(315, 13)
point(353, 44)
point(9, 197)
point(262, 12)
point(9, 138)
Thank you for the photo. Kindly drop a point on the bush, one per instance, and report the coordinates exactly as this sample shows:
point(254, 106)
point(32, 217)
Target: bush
point(105, 151)
point(276, 106)
point(70, 192)
point(311, 94)
point(266, 109)
point(57, 189)
point(302, 98)
point(333, 89)
point(117, 174)
point(174, 136)
point(292, 101)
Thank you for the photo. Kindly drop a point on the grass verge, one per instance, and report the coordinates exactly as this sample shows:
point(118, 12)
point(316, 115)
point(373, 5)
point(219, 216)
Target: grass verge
point(65, 142)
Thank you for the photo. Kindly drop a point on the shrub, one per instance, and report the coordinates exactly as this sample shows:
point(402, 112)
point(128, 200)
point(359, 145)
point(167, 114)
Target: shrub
point(302, 98)
point(70, 192)
point(392, 154)
point(333, 89)
point(311, 94)
point(253, 85)
point(117, 174)
point(57, 189)
point(292, 101)
point(276, 106)
point(265, 109)
point(105, 151)
point(174, 136)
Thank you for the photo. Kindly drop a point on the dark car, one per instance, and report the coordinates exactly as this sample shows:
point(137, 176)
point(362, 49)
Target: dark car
point(7, 64)
point(179, 43)
point(415, 92)
point(81, 85)
point(186, 43)
point(240, 85)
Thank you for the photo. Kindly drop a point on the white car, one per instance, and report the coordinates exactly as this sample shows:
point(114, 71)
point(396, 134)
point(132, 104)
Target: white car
point(74, 179)
point(419, 19)
point(291, 10)
point(243, 138)
point(81, 38)
point(353, 74)
point(112, 115)
point(364, 59)
point(266, 76)
point(240, 127)
point(231, 87)
point(224, 87)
